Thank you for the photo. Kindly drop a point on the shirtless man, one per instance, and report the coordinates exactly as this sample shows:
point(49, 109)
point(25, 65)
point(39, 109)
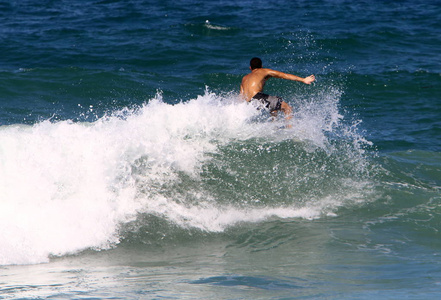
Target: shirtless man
point(252, 85)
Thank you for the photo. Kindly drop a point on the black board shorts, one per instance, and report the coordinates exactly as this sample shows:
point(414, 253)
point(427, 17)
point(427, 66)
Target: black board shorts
point(273, 103)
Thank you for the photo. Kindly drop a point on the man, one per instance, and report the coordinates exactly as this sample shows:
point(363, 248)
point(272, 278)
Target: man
point(252, 85)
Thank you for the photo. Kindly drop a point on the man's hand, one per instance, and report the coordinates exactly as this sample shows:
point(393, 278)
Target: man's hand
point(309, 79)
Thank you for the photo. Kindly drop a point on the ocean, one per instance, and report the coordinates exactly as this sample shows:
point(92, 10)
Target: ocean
point(131, 169)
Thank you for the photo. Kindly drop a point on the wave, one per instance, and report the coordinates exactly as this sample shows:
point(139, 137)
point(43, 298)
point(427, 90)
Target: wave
point(205, 164)
point(215, 27)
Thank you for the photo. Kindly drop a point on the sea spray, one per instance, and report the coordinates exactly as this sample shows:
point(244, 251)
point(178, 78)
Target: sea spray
point(252, 169)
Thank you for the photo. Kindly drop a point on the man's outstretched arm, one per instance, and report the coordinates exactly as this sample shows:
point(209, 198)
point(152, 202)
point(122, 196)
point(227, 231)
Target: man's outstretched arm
point(278, 74)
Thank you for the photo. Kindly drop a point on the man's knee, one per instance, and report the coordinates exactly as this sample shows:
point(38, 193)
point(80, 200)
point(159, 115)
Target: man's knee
point(285, 107)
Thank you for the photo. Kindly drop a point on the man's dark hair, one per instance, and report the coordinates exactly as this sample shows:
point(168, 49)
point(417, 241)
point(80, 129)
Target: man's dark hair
point(255, 63)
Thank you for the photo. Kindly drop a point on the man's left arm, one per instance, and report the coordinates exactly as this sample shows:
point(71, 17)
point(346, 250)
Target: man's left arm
point(278, 74)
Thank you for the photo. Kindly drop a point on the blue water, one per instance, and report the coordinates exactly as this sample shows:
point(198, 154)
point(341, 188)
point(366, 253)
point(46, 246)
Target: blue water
point(130, 168)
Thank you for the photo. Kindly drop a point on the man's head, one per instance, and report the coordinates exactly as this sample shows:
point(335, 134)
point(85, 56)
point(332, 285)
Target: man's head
point(255, 63)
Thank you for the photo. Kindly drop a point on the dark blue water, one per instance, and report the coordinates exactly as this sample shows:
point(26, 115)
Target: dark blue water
point(130, 168)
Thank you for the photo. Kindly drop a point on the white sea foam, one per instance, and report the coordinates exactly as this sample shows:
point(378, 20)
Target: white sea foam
point(214, 27)
point(67, 186)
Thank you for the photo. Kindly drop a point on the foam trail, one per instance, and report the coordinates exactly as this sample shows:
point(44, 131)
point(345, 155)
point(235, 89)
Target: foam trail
point(213, 218)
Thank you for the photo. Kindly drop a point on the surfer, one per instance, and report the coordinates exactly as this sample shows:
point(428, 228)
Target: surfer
point(252, 85)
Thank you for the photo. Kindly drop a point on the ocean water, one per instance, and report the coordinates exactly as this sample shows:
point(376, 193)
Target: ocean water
point(130, 168)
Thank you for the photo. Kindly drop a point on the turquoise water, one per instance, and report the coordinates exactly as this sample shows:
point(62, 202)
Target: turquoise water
point(130, 169)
